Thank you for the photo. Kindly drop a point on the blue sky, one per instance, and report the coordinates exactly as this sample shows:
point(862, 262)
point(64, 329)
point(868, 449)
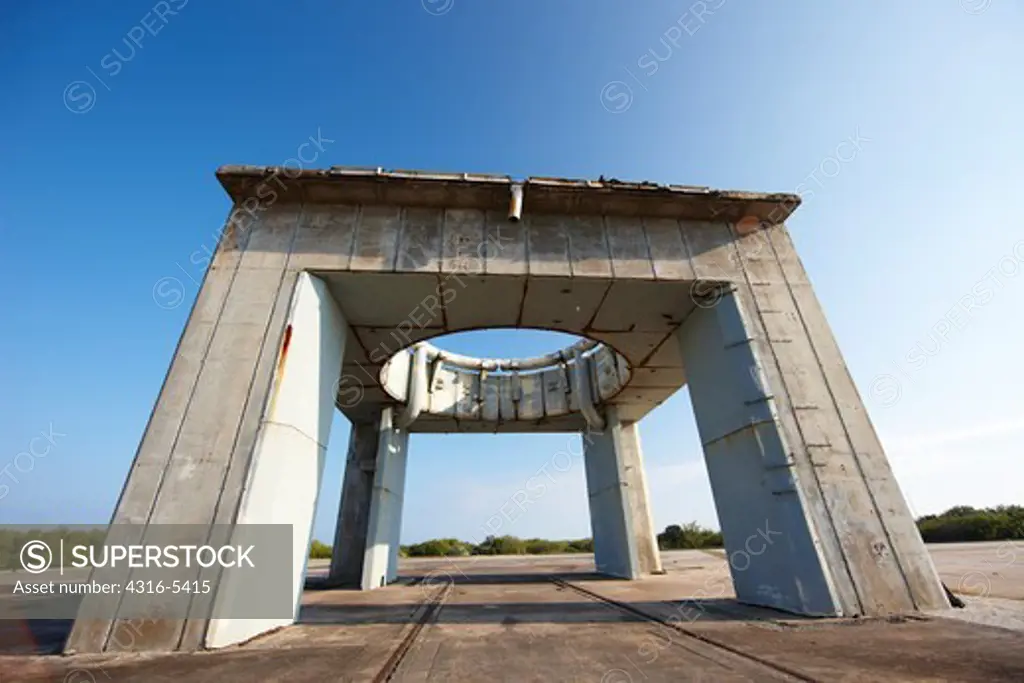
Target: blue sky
point(899, 123)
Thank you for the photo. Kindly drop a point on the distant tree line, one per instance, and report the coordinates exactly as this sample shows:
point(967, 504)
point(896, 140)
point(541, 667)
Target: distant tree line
point(958, 524)
point(691, 535)
point(964, 523)
point(496, 545)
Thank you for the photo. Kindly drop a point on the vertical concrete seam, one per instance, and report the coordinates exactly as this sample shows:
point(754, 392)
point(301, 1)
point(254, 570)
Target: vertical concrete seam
point(522, 300)
point(846, 431)
point(686, 247)
point(357, 229)
point(442, 232)
point(357, 223)
point(607, 237)
point(647, 248)
point(403, 218)
point(789, 400)
point(567, 238)
point(352, 238)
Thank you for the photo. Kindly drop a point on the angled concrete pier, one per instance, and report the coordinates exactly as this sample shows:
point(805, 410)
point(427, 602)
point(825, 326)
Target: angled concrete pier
point(625, 542)
point(354, 509)
point(380, 560)
point(325, 292)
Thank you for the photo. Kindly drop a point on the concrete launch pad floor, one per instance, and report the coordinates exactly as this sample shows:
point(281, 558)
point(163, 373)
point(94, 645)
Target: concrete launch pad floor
point(550, 619)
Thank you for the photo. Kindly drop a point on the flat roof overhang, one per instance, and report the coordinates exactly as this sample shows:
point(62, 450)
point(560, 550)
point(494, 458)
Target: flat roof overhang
point(637, 317)
point(362, 185)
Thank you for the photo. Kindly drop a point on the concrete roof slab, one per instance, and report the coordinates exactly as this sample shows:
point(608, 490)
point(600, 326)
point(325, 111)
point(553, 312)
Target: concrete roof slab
point(608, 259)
point(644, 306)
point(562, 303)
point(476, 302)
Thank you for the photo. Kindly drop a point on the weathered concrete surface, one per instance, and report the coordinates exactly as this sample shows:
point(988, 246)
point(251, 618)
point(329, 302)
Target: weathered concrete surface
point(408, 256)
point(380, 564)
point(436, 261)
point(765, 525)
point(370, 515)
point(625, 543)
point(788, 443)
point(218, 399)
point(639, 501)
point(505, 621)
point(354, 510)
point(288, 462)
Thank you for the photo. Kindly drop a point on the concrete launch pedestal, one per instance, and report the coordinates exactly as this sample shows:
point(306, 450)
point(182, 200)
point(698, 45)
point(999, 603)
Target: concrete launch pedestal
point(323, 293)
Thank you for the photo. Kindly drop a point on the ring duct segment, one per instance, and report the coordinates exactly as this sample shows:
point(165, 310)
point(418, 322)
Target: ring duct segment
point(577, 379)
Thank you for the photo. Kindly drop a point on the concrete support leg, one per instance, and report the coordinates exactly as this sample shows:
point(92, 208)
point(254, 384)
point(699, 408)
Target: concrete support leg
point(354, 510)
point(625, 544)
point(288, 463)
point(239, 429)
point(812, 518)
point(380, 563)
point(639, 501)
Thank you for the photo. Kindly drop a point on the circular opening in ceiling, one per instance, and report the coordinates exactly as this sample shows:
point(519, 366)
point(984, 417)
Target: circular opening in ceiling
point(538, 370)
point(504, 342)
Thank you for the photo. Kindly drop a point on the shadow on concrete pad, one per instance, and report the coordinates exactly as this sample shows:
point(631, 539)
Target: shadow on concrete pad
point(454, 575)
point(459, 578)
point(547, 612)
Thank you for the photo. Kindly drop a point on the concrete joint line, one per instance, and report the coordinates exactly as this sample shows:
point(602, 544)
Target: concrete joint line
point(742, 342)
point(294, 428)
point(751, 426)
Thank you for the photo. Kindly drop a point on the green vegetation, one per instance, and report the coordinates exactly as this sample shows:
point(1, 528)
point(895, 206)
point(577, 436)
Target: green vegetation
point(691, 535)
point(958, 524)
point(496, 545)
point(964, 523)
point(319, 551)
point(438, 546)
point(510, 545)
